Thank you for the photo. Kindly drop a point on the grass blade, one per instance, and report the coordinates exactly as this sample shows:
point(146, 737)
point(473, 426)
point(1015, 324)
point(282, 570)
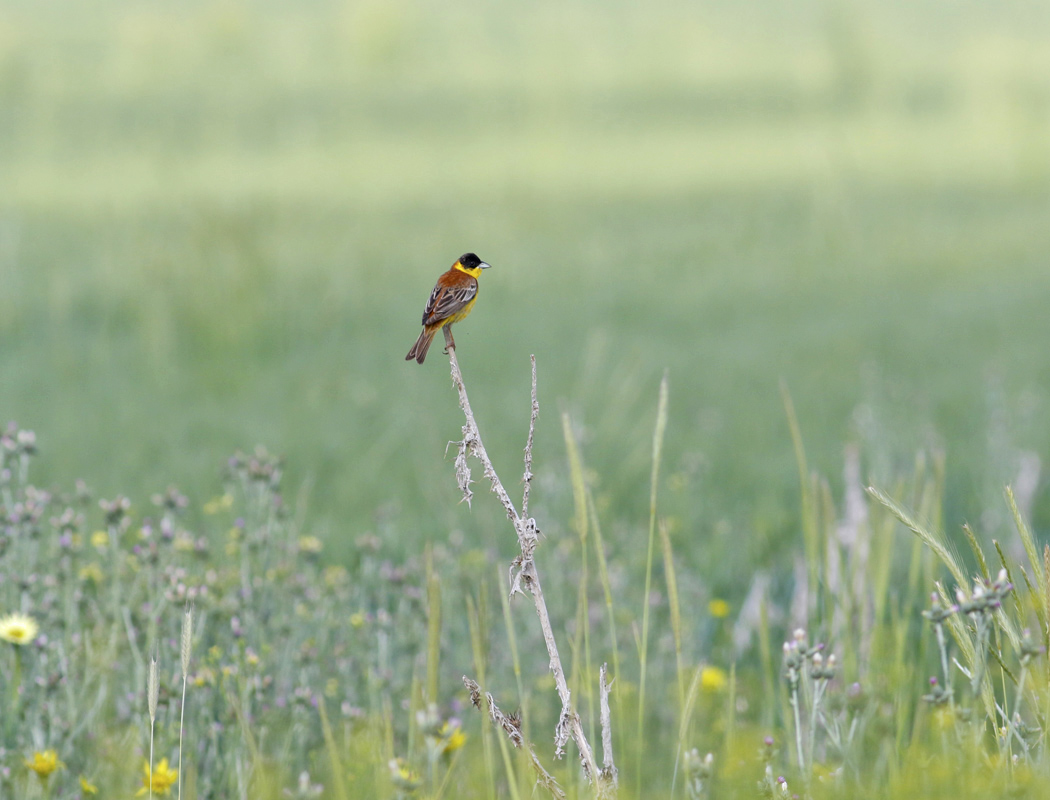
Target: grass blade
point(643, 648)
point(930, 539)
point(676, 613)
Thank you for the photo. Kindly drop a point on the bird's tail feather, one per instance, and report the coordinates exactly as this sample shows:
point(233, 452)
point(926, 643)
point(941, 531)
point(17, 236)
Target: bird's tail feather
point(419, 349)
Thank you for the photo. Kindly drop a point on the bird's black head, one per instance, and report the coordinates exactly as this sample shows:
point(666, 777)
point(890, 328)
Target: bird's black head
point(470, 261)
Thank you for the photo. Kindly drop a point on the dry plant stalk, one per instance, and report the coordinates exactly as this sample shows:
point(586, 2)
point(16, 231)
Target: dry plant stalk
point(524, 576)
point(512, 727)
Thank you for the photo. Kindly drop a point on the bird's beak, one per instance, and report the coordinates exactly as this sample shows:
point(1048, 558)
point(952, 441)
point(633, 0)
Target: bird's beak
point(483, 265)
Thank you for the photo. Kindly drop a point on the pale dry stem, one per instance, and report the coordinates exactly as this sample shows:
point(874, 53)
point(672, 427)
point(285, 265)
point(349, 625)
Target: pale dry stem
point(512, 727)
point(524, 576)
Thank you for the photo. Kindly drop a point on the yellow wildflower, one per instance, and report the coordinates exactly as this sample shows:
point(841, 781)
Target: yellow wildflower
point(91, 572)
point(403, 776)
point(87, 787)
point(217, 504)
point(713, 679)
point(310, 545)
point(164, 777)
point(100, 540)
point(455, 738)
point(357, 619)
point(718, 608)
point(336, 575)
point(19, 628)
point(43, 764)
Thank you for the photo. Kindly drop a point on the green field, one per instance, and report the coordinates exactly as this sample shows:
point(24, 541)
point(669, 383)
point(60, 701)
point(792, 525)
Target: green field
point(219, 223)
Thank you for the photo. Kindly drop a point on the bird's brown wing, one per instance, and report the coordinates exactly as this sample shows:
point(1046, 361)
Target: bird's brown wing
point(447, 300)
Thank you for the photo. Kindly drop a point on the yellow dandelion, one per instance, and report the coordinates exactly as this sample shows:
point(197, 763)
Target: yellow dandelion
point(91, 572)
point(336, 575)
point(310, 545)
point(43, 764)
point(87, 787)
point(100, 540)
point(164, 777)
point(456, 738)
point(718, 608)
point(403, 776)
point(713, 679)
point(357, 619)
point(217, 504)
point(19, 628)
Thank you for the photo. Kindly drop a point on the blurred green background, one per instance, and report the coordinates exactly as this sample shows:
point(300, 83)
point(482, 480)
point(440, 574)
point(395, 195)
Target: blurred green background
point(219, 222)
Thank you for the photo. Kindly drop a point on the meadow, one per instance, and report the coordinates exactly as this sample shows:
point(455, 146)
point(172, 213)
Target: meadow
point(825, 223)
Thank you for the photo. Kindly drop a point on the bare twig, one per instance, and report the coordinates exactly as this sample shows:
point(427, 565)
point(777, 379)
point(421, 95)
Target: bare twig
point(472, 445)
point(523, 575)
point(463, 468)
point(512, 727)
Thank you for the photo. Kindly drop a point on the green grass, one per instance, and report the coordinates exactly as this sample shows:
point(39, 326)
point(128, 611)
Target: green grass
point(219, 226)
point(219, 223)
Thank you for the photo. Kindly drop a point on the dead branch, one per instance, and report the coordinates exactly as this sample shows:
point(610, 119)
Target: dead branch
point(524, 576)
point(512, 727)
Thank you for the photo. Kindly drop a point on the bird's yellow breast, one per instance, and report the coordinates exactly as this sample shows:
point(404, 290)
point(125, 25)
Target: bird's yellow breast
point(462, 313)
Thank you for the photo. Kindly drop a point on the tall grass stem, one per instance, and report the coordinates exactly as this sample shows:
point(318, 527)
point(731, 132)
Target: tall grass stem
point(643, 647)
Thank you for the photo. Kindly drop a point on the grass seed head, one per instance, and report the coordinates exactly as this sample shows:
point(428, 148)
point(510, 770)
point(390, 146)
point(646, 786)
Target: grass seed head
point(152, 690)
point(187, 640)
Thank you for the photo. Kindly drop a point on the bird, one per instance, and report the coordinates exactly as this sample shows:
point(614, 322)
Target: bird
point(452, 299)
